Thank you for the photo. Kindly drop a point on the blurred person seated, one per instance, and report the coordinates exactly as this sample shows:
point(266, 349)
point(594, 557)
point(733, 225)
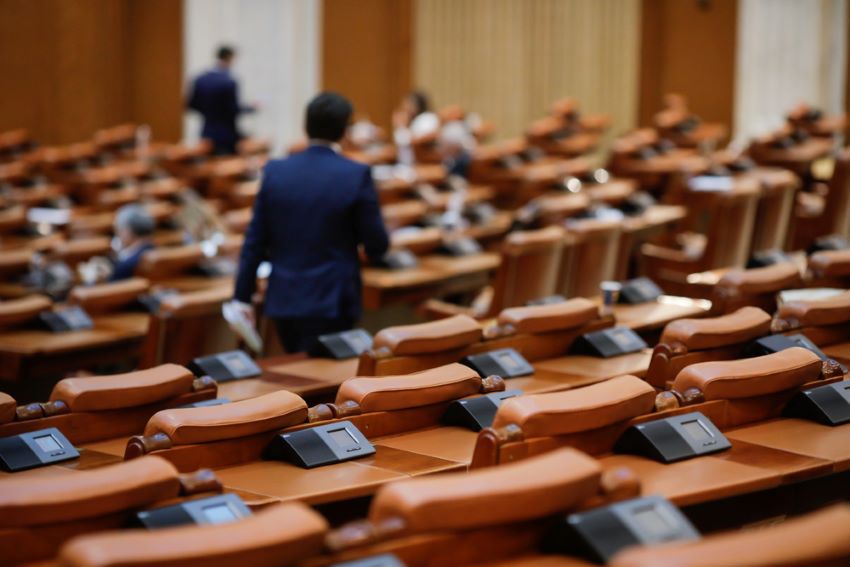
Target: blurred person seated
point(455, 144)
point(134, 227)
point(413, 119)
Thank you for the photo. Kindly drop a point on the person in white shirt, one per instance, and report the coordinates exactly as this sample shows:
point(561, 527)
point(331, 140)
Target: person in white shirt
point(413, 119)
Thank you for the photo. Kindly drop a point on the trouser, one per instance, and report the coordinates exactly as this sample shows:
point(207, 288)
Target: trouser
point(301, 334)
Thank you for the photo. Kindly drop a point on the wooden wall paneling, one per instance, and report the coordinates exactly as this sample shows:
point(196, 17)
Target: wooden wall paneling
point(689, 47)
point(366, 54)
point(155, 65)
point(510, 59)
point(70, 67)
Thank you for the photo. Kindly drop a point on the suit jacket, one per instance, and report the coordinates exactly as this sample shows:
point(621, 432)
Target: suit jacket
point(312, 211)
point(125, 268)
point(215, 95)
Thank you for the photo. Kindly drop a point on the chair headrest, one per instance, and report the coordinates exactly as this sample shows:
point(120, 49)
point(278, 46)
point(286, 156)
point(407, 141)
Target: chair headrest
point(15, 260)
point(581, 409)
point(201, 302)
point(818, 538)
point(762, 280)
point(831, 263)
point(419, 241)
point(749, 377)
point(434, 336)
point(108, 296)
point(563, 316)
point(526, 241)
point(386, 393)
point(133, 389)
point(280, 534)
point(532, 488)
point(19, 311)
point(38, 500)
point(82, 248)
point(8, 405)
point(268, 412)
point(743, 325)
point(817, 312)
point(170, 260)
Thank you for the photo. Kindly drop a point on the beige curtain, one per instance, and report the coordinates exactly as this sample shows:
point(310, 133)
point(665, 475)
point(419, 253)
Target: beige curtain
point(788, 52)
point(510, 59)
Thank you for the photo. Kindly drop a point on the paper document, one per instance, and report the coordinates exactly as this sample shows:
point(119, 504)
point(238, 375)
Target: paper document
point(242, 327)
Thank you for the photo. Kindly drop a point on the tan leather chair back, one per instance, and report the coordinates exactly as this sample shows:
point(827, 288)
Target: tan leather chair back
point(837, 206)
point(529, 269)
point(591, 258)
point(730, 226)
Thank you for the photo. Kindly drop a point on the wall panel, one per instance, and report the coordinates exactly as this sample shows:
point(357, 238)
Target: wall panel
point(69, 67)
point(689, 47)
point(509, 59)
point(366, 53)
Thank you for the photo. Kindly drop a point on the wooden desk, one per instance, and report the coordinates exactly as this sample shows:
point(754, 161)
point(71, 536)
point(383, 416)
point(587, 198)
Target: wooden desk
point(800, 437)
point(638, 229)
point(307, 377)
point(655, 315)
point(31, 360)
point(435, 276)
point(341, 481)
point(798, 158)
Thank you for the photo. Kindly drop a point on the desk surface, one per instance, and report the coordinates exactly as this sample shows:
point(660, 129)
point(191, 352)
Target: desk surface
point(435, 276)
point(656, 314)
point(306, 377)
point(801, 437)
point(350, 479)
point(107, 329)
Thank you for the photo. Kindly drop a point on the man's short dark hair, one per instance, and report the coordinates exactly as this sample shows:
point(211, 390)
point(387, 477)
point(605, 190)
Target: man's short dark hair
point(225, 53)
point(327, 117)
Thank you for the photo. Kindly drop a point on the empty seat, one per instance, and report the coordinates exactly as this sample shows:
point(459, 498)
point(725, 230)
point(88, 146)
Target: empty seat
point(528, 252)
point(45, 511)
point(756, 287)
point(818, 538)
point(687, 341)
point(280, 535)
point(96, 408)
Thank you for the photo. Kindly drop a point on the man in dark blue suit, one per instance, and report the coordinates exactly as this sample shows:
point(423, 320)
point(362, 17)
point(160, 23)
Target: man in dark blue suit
point(215, 95)
point(314, 209)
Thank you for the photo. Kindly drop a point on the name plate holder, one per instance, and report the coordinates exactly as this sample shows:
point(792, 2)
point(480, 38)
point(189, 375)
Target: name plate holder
point(601, 533)
point(674, 438)
point(320, 445)
point(346, 344)
point(477, 412)
point(607, 343)
point(504, 362)
point(776, 343)
point(226, 366)
point(35, 449)
point(67, 319)
point(827, 405)
point(383, 560)
point(459, 247)
point(548, 300)
point(219, 509)
point(207, 403)
point(639, 290)
point(399, 259)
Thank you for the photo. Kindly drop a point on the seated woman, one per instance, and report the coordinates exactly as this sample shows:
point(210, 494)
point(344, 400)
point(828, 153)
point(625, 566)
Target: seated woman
point(413, 119)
